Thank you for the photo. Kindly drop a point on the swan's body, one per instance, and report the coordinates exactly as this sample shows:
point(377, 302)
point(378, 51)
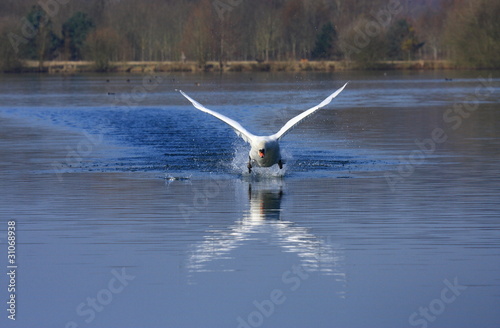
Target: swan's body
point(265, 150)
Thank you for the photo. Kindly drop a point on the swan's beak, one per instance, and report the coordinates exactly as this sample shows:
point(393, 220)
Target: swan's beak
point(262, 152)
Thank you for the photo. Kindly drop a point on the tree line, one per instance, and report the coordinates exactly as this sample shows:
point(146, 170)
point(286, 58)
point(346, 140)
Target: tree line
point(364, 31)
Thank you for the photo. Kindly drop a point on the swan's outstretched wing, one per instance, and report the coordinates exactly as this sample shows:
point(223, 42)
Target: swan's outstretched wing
point(294, 121)
point(241, 131)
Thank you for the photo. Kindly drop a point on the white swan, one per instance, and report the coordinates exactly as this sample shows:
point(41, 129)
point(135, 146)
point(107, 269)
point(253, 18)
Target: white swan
point(265, 150)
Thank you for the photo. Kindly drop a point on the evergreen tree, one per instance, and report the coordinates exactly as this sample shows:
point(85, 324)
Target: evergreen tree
point(44, 42)
point(9, 61)
point(395, 36)
point(402, 40)
point(74, 32)
point(326, 43)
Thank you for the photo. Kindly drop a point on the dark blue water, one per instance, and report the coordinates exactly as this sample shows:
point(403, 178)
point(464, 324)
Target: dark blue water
point(135, 209)
point(165, 133)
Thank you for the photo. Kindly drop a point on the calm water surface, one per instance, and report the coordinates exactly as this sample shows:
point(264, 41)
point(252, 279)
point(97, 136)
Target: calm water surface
point(133, 209)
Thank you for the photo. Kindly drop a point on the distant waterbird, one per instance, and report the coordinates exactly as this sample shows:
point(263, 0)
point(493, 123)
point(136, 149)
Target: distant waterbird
point(264, 150)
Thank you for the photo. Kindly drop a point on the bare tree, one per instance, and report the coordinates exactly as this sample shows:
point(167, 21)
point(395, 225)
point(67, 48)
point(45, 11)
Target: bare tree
point(473, 33)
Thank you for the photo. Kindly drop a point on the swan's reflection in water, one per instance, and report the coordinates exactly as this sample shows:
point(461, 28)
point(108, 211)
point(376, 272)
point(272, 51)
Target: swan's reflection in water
point(264, 221)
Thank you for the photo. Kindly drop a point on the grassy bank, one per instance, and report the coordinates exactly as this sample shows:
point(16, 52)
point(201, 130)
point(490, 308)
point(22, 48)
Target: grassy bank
point(236, 66)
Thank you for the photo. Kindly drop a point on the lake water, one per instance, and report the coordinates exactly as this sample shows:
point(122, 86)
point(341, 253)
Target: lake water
point(134, 209)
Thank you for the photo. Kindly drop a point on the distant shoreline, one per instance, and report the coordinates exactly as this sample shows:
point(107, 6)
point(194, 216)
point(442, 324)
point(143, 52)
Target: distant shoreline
point(71, 67)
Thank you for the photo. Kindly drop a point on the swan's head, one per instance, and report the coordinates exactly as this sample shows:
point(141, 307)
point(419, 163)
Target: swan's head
point(263, 147)
point(265, 151)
